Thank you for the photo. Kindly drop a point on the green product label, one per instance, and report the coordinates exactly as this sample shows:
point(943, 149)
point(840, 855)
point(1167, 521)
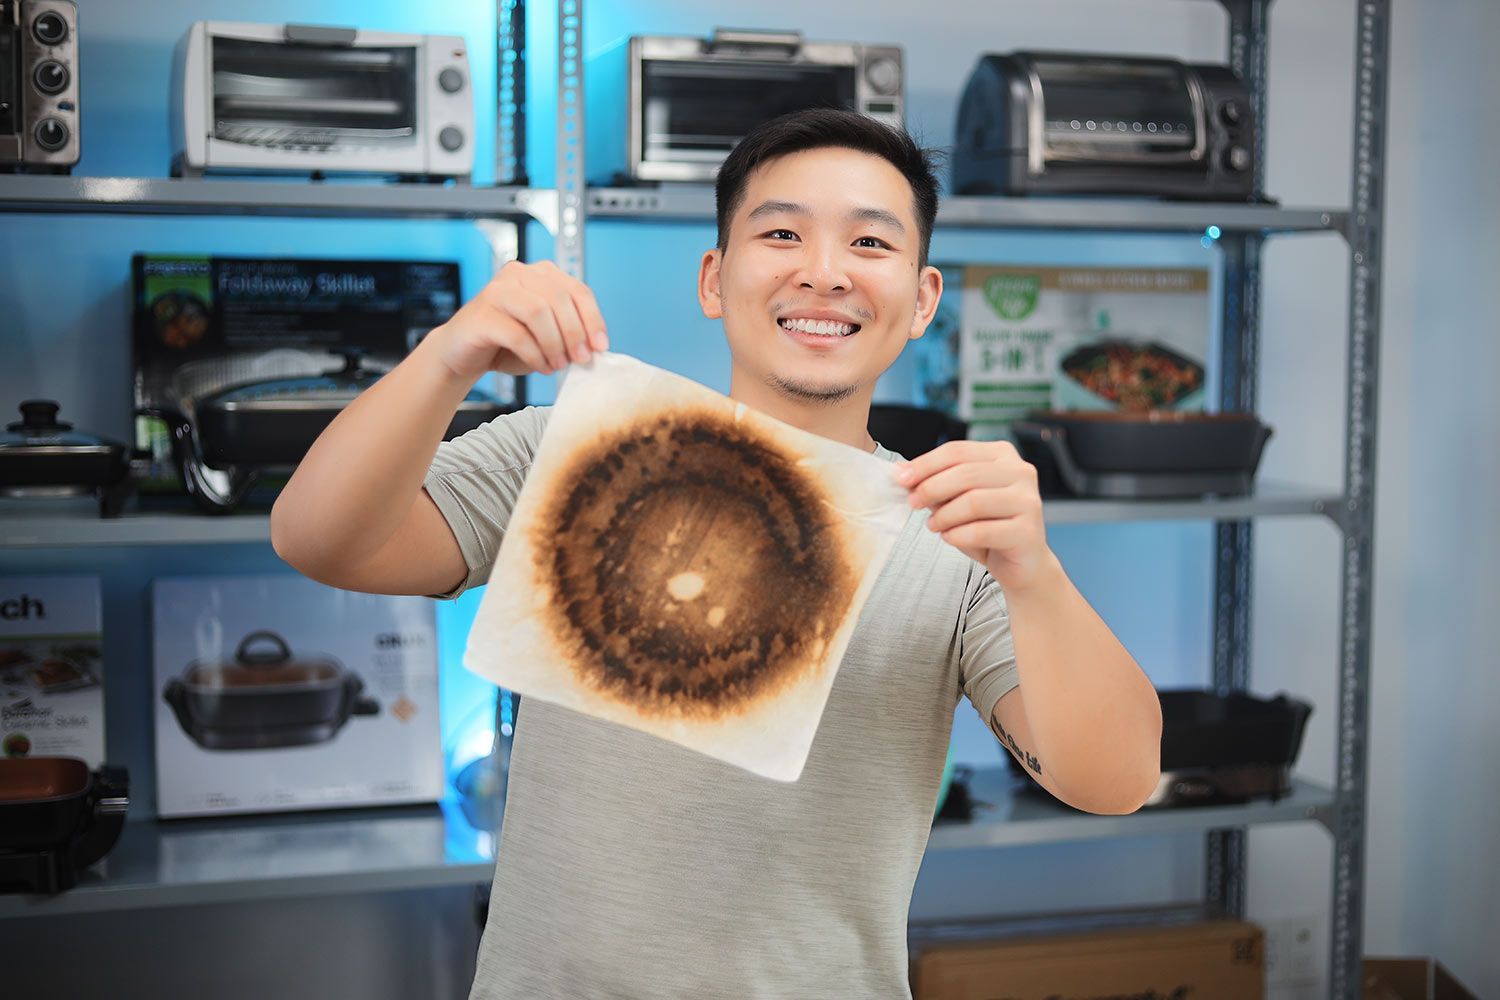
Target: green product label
point(1013, 296)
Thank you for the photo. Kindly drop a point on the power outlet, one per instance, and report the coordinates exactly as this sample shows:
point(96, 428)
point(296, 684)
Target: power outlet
point(1292, 952)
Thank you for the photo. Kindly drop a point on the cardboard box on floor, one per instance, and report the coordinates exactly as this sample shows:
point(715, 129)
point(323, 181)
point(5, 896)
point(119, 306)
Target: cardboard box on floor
point(1410, 979)
point(1220, 959)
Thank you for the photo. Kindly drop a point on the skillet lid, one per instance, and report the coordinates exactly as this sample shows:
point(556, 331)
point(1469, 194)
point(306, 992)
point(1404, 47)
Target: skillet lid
point(336, 387)
point(262, 660)
point(39, 428)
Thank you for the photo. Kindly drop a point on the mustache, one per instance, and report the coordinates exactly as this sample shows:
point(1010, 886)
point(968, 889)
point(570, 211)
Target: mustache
point(863, 315)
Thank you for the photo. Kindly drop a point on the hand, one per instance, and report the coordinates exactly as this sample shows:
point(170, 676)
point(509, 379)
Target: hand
point(529, 318)
point(984, 501)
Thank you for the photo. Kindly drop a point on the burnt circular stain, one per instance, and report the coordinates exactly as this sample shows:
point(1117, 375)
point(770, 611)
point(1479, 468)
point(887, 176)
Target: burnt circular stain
point(691, 569)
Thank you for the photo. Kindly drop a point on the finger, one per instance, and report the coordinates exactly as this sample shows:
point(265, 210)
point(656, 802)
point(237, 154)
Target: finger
point(949, 454)
point(593, 319)
point(538, 323)
point(524, 346)
point(940, 487)
point(981, 505)
point(983, 536)
point(575, 338)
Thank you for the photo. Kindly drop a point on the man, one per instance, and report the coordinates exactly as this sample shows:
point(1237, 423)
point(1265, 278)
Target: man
point(631, 867)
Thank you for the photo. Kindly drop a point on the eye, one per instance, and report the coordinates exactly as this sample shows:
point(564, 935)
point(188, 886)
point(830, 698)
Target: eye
point(781, 234)
point(872, 243)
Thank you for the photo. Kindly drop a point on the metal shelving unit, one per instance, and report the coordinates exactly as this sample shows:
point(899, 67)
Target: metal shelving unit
point(44, 530)
point(695, 203)
point(413, 854)
point(183, 862)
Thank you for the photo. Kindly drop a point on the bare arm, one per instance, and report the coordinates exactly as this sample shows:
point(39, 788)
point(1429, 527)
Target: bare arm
point(354, 514)
point(1089, 717)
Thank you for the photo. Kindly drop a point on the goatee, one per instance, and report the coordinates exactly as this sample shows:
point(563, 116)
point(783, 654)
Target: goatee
point(809, 393)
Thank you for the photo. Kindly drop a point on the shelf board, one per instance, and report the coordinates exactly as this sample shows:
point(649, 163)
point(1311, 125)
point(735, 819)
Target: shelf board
point(40, 529)
point(695, 203)
point(295, 198)
point(1011, 819)
point(1269, 499)
point(236, 859)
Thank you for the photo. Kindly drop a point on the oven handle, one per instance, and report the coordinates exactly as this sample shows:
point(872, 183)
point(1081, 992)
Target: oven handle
point(790, 41)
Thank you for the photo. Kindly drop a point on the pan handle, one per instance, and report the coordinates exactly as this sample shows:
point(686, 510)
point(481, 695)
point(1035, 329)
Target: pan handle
point(201, 482)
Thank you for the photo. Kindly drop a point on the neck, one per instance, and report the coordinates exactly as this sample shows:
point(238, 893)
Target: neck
point(846, 421)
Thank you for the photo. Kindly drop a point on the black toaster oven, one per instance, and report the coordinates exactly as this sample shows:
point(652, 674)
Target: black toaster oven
point(38, 86)
point(1058, 123)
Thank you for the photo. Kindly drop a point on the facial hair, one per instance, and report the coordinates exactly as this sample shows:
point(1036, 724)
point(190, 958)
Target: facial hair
point(806, 392)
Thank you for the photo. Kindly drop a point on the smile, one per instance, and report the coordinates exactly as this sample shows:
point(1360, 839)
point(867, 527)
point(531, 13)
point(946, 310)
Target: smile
point(819, 327)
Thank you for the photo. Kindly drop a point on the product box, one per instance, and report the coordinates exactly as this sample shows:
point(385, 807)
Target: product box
point(51, 668)
point(1213, 960)
point(1008, 340)
point(203, 324)
point(278, 693)
point(1410, 979)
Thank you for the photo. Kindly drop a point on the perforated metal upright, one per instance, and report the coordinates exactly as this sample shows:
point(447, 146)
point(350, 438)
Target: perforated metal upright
point(1224, 882)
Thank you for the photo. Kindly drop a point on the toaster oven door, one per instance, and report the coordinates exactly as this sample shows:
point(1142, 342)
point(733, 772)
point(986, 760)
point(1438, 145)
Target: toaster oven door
point(1114, 111)
point(272, 94)
point(687, 115)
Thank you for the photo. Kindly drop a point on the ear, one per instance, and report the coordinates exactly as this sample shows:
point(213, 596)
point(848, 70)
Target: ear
point(709, 293)
point(929, 292)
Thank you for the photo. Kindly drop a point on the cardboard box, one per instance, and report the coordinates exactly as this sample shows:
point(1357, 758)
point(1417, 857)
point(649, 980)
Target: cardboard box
point(1410, 979)
point(202, 324)
point(1009, 340)
point(1214, 960)
point(51, 668)
point(278, 693)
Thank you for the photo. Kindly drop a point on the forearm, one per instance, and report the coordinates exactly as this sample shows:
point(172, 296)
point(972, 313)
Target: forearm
point(350, 493)
point(1093, 714)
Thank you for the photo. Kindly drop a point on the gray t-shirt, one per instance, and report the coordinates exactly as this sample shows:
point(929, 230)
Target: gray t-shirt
point(632, 867)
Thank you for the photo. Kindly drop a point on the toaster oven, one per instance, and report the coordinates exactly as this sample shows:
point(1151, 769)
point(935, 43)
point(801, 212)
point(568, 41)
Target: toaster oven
point(689, 101)
point(253, 98)
point(38, 85)
point(1055, 123)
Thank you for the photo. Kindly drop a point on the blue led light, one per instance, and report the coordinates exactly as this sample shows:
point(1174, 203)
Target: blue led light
point(1214, 232)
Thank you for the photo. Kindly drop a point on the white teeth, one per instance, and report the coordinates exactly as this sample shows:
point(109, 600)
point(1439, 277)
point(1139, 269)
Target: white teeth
point(819, 327)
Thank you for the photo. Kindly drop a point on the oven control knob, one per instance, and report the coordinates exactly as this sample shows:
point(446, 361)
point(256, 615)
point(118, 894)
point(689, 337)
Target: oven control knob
point(51, 134)
point(451, 80)
point(884, 76)
point(1237, 159)
point(451, 138)
point(1231, 112)
point(51, 77)
point(50, 28)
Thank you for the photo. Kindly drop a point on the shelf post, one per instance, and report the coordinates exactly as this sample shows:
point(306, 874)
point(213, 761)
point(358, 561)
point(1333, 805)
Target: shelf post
point(510, 92)
point(1371, 61)
point(1239, 339)
point(570, 144)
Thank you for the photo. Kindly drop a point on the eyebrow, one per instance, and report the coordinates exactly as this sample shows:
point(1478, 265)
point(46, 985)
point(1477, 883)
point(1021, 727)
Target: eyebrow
point(879, 216)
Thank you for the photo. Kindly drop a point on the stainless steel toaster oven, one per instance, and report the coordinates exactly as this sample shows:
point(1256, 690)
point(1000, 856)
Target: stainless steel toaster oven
point(688, 101)
point(38, 86)
point(306, 98)
point(1058, 123)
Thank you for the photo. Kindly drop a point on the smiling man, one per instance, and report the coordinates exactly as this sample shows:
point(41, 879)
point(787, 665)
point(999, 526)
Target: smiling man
point(630, 867)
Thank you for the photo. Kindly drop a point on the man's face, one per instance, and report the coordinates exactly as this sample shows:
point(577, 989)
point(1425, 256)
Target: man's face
point(820, 286)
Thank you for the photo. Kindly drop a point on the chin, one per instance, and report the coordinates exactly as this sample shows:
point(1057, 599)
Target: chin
point(808, 390)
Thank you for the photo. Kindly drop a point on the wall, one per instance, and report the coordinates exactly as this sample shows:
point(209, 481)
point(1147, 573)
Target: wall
point(1434, 580)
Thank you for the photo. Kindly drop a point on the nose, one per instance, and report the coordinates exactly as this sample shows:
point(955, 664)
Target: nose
point(821, 271)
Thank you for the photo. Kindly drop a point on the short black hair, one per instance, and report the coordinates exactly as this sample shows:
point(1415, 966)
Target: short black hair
point(819, 128)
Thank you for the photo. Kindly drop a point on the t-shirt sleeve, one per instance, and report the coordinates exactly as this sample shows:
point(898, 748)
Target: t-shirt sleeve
point(474, 481)
point(987, 653)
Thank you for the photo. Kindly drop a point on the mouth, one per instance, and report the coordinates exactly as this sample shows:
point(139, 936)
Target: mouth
point(828, 329)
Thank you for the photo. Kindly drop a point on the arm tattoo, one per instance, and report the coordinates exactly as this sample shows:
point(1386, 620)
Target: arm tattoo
point(1021, 755)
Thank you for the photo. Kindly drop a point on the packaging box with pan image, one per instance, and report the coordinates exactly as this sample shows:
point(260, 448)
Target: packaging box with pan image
point(51, 668)
point(275, 692)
